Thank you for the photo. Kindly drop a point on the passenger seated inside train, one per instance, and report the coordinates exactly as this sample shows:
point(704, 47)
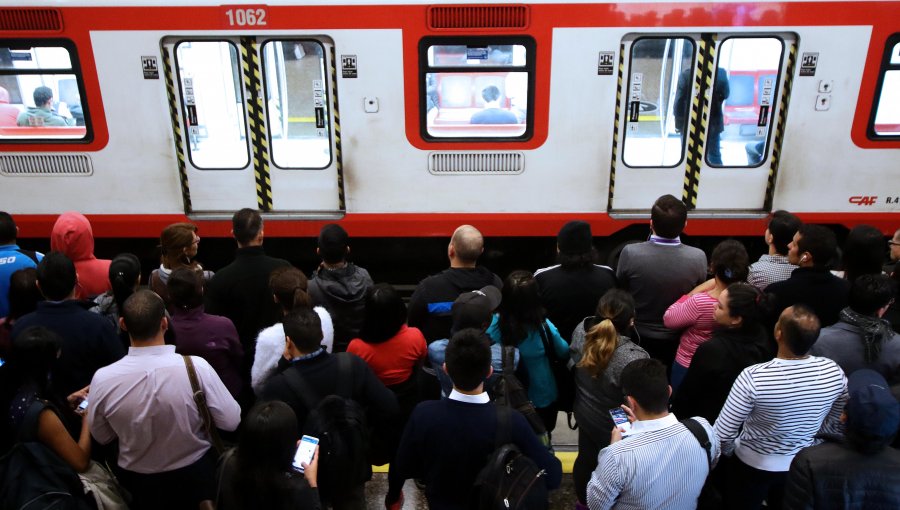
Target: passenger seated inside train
point(654, 460)
point(492, 113)
point(42, 113)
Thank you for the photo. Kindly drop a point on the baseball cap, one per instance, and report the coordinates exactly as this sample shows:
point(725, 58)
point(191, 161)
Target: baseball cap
point(871, 409)
point(474, 309)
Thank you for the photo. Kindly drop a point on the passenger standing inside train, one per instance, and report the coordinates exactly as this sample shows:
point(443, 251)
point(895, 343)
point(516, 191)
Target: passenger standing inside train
point(179, 244)
point(859, 470)
point(315, 374)
point(739, 340)
point(775, 266)
point(813, 249)
point(42, 113)
point(448, 441)
point(9, 114)
point(429, 306)
point(340, 286)
point(521, 323)
point(861, 338)
point(720, 93)
point(571, 289)
point(777, 408)
point(89, 341)
point(662, 465)
point(197, 333)
point(694, 313)
point(600, 349)
point(658, 272)
point(12, 258)
point(73, 236)
point(240, 290)
point(146, 402)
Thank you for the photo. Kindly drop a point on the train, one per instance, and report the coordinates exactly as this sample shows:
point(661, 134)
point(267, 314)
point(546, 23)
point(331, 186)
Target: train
point(408, 118)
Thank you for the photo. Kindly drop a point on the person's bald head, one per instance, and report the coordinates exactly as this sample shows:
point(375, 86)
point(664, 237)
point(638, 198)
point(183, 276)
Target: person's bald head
point(798, 329)
point(466, 244)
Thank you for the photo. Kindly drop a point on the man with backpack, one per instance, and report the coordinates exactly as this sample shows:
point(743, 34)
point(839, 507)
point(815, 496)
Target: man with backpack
point(454, 443)
point(662, 463)
point(338, 399)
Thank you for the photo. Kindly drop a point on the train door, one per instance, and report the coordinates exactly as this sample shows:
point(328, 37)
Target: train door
point(700, 117)
point(255, 124)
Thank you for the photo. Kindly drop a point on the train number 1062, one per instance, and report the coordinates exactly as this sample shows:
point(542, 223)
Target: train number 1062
point(245, 16)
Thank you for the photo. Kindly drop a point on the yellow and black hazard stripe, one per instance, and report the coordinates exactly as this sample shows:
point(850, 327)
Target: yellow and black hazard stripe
point(779, 125)
point(256, 118)
point(703, 83)
point(615, 136)
point(338, 156)
point(169, 72)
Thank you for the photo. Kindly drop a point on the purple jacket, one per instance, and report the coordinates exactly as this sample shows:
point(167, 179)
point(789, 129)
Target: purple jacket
point(213, 338)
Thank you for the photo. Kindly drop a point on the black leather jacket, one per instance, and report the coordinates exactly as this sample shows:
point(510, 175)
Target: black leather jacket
point(833, 475)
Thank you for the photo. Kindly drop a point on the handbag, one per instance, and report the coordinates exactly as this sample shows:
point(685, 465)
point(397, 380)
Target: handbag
point(101, 484)
point(209, 424)
point(565, 380)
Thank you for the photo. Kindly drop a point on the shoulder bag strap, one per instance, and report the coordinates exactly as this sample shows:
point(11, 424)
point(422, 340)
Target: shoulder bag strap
point(702, 437)
point(548, 347)
point(504, 427)
point(508, 358)
point(28, 430)
point(301, 388)
point(209, 424)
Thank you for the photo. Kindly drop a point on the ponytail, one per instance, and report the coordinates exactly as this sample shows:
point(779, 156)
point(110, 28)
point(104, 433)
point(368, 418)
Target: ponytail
point(288, 284)
point(124, 271)
point(599, 345)
point(749, 303)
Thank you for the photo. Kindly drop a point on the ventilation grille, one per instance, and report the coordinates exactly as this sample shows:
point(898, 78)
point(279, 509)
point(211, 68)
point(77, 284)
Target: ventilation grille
point(480, 163)
point(24, 19)
point(480, 17)
point(39, 164)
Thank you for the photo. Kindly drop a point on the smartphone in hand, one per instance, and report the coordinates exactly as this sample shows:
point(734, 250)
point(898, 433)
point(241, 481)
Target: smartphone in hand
point(620, 418)
point(83, 405)
point(305, 452)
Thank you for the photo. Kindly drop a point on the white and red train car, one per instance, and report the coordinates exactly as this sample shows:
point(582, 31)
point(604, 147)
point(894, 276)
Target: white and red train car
point(408, 118)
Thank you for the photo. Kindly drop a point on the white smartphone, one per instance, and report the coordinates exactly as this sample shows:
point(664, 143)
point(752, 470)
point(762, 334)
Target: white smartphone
point(620, 418)
point(83, 405)
point(305, 451)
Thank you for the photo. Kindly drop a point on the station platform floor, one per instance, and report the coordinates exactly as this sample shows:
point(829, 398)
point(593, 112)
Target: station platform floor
point(565, 445)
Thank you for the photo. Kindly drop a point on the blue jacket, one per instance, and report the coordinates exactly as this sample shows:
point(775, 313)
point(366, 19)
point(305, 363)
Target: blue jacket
point(13, 258)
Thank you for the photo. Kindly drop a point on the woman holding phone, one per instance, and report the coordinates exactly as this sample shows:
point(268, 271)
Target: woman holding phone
point(259, 473)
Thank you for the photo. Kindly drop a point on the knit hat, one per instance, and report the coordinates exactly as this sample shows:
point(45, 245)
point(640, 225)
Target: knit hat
point(474, 309)
point(575, 237)
point(871, 409)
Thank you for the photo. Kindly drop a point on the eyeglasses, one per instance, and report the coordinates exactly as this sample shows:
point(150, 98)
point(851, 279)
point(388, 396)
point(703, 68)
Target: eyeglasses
point(893, 243)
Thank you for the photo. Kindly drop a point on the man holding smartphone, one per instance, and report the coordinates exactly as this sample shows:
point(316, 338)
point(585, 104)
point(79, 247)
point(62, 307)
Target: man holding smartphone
point(661, 464)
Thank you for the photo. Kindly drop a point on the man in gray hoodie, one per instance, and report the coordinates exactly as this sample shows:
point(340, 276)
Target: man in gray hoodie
point(340, 286)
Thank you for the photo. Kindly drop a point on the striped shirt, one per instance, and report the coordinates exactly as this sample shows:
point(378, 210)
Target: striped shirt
point(693, 314)
point(768, 270)
point(660, 465)
point(781, 405)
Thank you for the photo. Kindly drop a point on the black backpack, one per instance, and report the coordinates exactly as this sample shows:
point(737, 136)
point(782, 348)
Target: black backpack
point(508, 391)
point(341, 426)
point(510, 479)
point(33, 477)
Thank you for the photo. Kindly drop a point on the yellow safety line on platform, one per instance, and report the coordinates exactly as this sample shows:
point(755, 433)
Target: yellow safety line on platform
point(566, 458)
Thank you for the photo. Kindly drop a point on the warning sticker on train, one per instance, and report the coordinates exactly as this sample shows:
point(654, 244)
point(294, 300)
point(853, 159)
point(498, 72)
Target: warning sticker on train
point(150, 67)
point(606, 63)
point(808, 64)
point(348, 66)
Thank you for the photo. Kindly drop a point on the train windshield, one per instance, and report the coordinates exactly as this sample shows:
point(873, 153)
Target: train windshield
point(477, 90)
point(40, 93)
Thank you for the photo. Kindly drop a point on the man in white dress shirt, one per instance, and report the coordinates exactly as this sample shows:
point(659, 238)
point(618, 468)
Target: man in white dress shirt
point(145, 400)
point(660, 464)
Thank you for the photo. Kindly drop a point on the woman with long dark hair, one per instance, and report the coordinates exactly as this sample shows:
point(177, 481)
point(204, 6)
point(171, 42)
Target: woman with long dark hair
point(521, 323)
point(601, 348)
point(259, 474)
point(740, 340)
point(124, 278)
point(29, 403)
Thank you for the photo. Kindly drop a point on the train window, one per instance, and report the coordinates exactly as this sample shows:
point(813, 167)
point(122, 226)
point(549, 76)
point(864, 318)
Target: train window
point(886, 118)
point(297, 103)
point(659, 92)
point(477, 88)
point(743, 101)
point(41, 92)
point(213, 104)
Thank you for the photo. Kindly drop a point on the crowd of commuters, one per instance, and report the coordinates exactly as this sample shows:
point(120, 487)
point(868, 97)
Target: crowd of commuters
point(742, 384)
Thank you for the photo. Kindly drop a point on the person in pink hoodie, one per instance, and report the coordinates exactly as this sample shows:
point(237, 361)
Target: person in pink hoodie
point(72, 235)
